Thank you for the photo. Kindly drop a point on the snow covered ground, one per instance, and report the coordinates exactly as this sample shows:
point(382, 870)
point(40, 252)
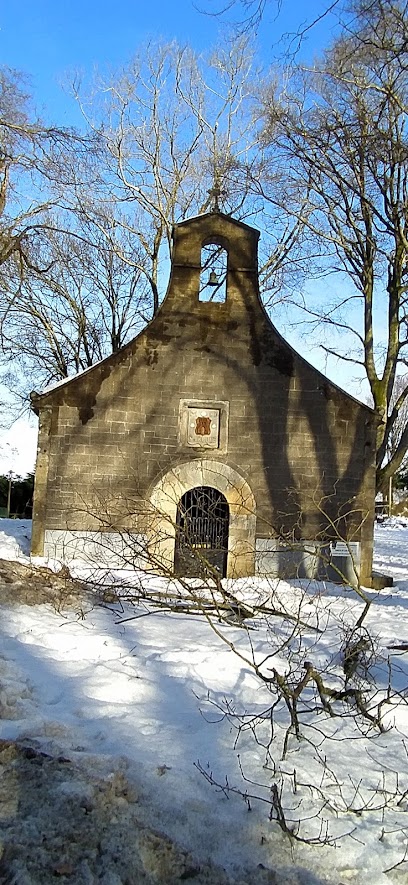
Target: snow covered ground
point(145, 696)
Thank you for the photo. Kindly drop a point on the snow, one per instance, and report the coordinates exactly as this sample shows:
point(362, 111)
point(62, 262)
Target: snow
point(15, 539)
point(149, 693)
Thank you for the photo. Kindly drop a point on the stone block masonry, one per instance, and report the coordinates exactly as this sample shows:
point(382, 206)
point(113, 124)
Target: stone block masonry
point(207, 383)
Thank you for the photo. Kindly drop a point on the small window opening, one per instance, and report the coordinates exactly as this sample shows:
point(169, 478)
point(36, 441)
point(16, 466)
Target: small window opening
point(213, 279)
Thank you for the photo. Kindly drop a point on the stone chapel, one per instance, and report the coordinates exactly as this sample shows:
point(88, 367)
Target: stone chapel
point(207, 441)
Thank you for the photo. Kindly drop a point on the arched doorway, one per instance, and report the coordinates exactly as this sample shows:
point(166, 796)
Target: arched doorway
point(202, 524)
point(166, 495)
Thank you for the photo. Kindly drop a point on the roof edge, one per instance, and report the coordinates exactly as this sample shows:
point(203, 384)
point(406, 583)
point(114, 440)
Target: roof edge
point(217, 214)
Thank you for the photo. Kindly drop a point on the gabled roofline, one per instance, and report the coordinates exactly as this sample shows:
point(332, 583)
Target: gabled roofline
point(38, 398)
point(217, 214)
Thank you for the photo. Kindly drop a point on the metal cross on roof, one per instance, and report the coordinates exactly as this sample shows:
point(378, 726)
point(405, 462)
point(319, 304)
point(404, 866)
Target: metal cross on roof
point(215, 193)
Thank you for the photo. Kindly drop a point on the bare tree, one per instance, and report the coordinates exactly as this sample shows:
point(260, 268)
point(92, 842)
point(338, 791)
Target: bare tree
point(85, 305)
point(162, 134)
point(169, 128)
point(341, 129)
point(171, 135)
point(177, 135)
point(401, 421)
point(247, 16)
point(30, 154)
point(398, 429)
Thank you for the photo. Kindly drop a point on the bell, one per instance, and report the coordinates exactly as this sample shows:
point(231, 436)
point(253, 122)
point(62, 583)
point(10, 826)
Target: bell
point(212, 279)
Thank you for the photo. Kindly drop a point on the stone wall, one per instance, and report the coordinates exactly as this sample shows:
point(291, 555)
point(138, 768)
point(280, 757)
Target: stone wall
point(303, 448)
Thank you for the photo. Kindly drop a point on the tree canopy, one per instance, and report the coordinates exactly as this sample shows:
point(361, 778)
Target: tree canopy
point(314, 156)
point(341, 129)
point(161, 135)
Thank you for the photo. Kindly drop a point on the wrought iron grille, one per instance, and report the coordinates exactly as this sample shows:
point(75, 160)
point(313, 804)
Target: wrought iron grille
point(202, 531)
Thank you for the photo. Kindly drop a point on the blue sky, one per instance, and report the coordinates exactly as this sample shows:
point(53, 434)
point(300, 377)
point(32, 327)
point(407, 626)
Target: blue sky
point(50, 40)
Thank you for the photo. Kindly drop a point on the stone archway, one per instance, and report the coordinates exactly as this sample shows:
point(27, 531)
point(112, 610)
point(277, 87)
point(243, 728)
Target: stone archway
point(167, 493)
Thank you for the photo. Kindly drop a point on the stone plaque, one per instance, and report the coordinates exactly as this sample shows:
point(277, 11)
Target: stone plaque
point(203, 427)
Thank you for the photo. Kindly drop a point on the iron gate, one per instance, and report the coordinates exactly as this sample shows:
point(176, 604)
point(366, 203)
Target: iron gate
point(201, 533)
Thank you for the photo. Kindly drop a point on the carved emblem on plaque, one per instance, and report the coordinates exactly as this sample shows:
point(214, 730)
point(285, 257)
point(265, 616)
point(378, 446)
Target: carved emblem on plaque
point(203, 426)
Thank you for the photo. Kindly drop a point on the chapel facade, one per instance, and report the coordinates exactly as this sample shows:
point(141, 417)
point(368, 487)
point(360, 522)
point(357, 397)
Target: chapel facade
point(207, 441)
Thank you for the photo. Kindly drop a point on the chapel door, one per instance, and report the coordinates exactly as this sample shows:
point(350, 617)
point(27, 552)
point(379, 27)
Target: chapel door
point(202, 533)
